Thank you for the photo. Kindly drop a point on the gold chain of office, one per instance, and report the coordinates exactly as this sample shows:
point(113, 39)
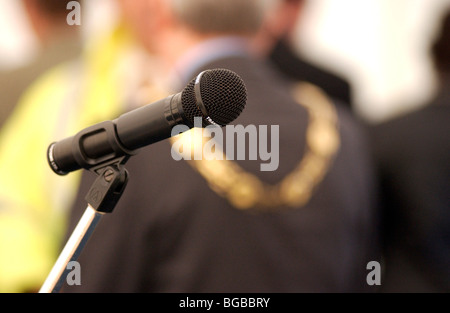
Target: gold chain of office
point(245, 191)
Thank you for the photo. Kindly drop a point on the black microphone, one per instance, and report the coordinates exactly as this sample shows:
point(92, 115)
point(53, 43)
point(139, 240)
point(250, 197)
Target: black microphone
point(217, 96)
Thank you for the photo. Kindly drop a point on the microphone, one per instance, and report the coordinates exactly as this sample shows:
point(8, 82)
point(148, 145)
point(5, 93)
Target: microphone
point(218, 96)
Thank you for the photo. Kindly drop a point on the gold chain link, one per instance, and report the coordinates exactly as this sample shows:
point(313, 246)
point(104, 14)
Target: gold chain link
point(245, 191)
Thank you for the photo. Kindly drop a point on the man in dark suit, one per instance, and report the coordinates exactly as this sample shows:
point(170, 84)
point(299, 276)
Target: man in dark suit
point(413, 154)
point(227, 226)
point(275, 40)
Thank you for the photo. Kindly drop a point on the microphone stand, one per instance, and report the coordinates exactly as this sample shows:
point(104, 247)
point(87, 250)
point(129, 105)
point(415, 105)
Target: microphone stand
point(102, 199)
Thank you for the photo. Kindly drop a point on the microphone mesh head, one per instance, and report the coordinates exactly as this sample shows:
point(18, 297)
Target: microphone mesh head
point(223, 94)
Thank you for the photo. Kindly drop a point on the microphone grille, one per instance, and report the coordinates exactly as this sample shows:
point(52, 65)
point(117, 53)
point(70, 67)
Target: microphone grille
point(223, 96)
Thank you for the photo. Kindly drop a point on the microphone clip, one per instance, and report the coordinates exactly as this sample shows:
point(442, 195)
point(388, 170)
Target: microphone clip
point(108, 188)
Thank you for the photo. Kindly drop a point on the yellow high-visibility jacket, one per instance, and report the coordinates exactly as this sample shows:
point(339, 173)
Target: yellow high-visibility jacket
point(33, 200)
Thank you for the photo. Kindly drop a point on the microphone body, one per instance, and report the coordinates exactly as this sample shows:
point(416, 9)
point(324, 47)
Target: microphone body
point(151, 123)
point(111, 140)
point(215, 95)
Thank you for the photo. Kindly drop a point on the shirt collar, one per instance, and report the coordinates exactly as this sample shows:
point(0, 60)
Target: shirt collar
point(204, 53)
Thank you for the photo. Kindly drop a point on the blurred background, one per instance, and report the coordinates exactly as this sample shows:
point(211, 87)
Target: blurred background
point(380, 46)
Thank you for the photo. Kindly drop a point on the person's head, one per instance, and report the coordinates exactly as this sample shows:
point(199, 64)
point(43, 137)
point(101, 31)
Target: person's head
point(50, 8)
point(47, 17)
point(212, 16)
point(441, 48)
point(279, 23)
point(161, 24)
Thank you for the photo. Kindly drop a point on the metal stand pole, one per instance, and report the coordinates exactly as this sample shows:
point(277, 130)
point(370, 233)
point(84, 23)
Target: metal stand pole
point(102, 198)
point(72, 250)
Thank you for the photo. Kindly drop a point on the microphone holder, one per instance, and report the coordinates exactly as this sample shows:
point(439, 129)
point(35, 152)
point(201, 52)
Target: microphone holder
point(102, 198)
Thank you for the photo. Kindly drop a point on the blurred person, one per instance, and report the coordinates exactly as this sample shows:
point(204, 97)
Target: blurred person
point(58, 42)
point(413, 154)
point(227, 226)
point(70, 95)
point(276, 41)
point(19, 238)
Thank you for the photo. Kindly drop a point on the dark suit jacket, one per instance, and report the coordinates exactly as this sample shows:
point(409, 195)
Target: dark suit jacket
point(292, 65)
point(413, 157)
point(172, 233)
